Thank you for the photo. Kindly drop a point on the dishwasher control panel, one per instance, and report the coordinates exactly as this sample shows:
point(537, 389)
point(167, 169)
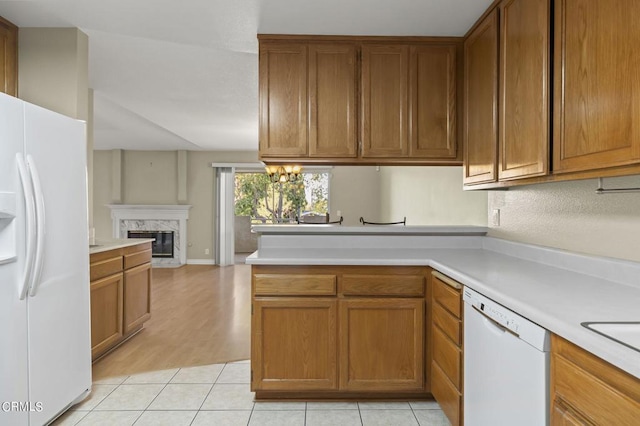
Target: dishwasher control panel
point(497, 313)
point(506, 319)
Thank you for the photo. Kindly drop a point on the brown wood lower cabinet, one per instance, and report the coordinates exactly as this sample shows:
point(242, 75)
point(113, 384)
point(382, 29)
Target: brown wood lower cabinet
point(446, 344)
point(137, 296)
point(338, 331)
point(382, 344)
point(106, 312)
point(120, 295)
point(585, 390)
point(294, 344)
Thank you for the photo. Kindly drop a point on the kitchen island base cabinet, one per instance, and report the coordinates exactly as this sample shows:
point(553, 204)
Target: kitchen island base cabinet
point(120, 295)
point(585, 390)
point(338, 332)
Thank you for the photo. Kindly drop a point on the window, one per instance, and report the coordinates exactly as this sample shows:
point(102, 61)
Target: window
point(267, 202)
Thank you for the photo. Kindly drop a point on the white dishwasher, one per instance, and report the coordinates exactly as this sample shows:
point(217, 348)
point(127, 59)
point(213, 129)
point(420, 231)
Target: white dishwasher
point(506, 366)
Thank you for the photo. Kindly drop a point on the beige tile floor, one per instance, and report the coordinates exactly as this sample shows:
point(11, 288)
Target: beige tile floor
point(219, 395)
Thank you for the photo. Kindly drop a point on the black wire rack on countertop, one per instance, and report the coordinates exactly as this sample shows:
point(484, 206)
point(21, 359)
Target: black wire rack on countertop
point(403, 222)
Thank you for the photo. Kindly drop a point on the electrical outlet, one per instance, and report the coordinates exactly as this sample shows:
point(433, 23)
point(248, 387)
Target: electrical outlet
point(495, 218)
point(206, 251)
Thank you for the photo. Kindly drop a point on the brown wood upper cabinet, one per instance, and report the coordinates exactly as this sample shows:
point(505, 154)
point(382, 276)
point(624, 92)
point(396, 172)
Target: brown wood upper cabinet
point(524, 89)
point(350, 100)
point(385, 101)
point(8, 58)
point(596, 92)
point(333, 126)
point(507, 89)
point(481, 102)
point(283, 100)
point(432, 106)
point(597, 84)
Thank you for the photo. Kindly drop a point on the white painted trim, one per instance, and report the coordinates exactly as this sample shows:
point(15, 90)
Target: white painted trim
point(201, 262)
point(226, 232)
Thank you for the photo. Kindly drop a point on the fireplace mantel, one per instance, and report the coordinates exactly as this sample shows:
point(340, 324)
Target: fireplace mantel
point(124, 213)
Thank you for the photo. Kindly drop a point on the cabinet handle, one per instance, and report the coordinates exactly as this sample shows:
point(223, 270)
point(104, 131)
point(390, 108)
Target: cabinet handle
point(445, 279)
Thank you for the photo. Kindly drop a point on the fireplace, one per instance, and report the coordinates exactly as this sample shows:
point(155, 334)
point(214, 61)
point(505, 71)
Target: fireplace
point(163, 244)
point(138, 218)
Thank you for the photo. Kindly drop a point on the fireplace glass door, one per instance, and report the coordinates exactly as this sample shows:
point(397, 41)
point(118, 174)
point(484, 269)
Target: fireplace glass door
point(163, 244)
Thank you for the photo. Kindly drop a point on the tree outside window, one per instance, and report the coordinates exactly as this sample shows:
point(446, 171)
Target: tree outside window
point(266, 202)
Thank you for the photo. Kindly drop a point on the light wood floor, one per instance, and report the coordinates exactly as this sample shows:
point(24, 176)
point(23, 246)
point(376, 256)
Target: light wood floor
point(199, 315)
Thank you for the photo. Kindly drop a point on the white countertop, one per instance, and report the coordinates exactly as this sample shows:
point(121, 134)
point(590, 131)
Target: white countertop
point(308, 229)
point(556, 289)
point(107, 245)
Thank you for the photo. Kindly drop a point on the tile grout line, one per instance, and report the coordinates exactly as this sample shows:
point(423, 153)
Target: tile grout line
point(208, 393)
point(154, 398)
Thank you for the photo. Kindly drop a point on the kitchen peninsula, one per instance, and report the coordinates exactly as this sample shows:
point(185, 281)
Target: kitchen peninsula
point(313, 286)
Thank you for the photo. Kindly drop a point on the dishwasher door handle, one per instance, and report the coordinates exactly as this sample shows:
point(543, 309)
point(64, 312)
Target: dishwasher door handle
point(494, 322)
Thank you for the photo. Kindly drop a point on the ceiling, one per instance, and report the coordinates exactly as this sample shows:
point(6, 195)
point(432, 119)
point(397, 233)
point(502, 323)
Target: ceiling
point(173, 75)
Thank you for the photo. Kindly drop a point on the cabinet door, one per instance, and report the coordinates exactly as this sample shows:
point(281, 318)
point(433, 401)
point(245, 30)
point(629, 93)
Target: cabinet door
point(597, 85)
point(137, 296)
point(524, 89)
point(332, 100)
point(294, 344)
point(385, 102)
point(8, 58)
point(106, 313)
point(481, 102)
point(283, 100)
point(381, 344)
point(433, 102)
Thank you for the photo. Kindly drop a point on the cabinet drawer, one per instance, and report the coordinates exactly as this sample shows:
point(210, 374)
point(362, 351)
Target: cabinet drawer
point(446, 394)
point(382, 285)
point(447, 356)
point(106, 267)
point(592, 397)
point(294, 285)
point(447, 296)
point(138, 258)
point(449, 324)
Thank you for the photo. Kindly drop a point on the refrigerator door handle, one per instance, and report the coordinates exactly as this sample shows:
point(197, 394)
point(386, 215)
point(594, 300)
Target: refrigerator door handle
point(40, 226)
point(27, 188)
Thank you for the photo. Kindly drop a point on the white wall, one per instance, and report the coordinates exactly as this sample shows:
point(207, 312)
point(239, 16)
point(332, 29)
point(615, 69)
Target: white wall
point(53, 69)
point(569, 215)
point(53, 72)
point(355, 191)
point(429, 196)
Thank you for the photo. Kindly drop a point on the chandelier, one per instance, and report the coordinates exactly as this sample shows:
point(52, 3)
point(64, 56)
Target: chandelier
point(283, 174)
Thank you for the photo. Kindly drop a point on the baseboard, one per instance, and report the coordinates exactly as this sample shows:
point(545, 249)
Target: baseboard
point(201, 262)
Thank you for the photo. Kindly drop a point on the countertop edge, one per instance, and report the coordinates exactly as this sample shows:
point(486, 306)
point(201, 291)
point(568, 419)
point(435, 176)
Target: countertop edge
point(102, 246)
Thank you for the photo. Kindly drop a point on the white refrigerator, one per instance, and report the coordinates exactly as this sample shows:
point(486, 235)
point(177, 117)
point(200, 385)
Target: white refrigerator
point(45, 331)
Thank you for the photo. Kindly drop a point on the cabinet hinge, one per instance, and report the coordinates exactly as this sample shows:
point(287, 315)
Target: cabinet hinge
point(252, 309)
point(252, 376)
